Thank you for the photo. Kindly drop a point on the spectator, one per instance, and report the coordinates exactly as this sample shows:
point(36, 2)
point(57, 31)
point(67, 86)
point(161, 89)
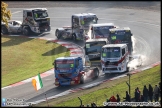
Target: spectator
point(138, 94)
point(160, 89)
point(145, 93)
point(141, 98)
point(118, 98)
point(150, 92)
point(93, 104)
point(127, 98)
point(156, 93)
point(107, 100)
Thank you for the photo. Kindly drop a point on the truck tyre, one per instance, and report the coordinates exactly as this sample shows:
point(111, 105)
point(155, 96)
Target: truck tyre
point(96, 73)
point(82, 79)
point(57, 34)
point(4, 30)
point(26, 31)
point(74, 37)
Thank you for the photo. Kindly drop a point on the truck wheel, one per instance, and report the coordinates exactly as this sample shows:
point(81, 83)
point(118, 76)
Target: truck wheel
point(57, 34)
point(26, 31)
point(82, 79)
point(96, 73)
point(74, 37)
point(4, 30)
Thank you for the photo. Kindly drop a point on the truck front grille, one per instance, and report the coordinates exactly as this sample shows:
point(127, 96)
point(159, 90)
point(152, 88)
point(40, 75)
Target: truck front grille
point(44, 26)
point(108, 69)
point(64, 75)
point(66, 80)
point(110, 63)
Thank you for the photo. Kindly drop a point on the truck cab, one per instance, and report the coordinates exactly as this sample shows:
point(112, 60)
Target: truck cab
point(67, 70)
point(100, 30)
point(83, 21)
point(79, 26)
point(70, 71)
point(114, 58)
point(93, 49)
point(35, 20)
point(121, 36)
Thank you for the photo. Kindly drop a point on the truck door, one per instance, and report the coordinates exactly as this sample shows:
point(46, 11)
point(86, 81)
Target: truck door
point(92, 32)
point(123, 54)
point(29, 19)
point(75, 24)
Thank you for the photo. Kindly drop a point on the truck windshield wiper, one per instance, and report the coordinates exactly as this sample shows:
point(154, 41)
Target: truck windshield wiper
point(92, 44)
point(99, 33)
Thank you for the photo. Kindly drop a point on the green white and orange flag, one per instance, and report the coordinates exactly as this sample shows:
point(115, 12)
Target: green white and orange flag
point(37, 82)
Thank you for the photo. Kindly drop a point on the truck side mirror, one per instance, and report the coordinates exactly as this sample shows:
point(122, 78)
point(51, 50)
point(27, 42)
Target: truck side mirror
point(86, 37)
point(131, 34)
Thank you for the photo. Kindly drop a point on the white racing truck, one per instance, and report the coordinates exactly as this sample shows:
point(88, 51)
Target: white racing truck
point(35, 20)
point(115, 58)
point(79, 27)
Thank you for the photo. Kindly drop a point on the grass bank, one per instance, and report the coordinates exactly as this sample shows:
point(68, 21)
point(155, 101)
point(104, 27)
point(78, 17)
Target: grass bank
point(23, 58)
point(100, 93)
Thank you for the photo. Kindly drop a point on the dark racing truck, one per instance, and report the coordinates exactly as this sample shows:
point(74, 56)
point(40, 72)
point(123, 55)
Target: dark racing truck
point(121, 36)
point(70, 71)
point(93, 49)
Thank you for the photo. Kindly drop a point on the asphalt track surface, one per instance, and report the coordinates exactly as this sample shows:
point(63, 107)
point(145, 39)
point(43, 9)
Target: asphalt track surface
point(145, 26)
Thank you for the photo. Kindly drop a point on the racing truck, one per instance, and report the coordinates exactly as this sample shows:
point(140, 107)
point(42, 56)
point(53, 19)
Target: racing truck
point(93, 50)
point(115, 58)
point(71, 71)
point(35, 20)
point(121, 36)
point(79, 26)
point(100, 30)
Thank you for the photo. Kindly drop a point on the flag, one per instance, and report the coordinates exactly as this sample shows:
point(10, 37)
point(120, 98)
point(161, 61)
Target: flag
point(37, 82)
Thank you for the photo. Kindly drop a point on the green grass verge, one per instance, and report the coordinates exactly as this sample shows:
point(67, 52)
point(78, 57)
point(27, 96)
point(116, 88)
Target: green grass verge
point(99, 93)
point(23, 58)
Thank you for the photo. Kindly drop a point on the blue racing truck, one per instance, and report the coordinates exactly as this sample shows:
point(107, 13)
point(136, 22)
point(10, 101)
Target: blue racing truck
point(71, 71)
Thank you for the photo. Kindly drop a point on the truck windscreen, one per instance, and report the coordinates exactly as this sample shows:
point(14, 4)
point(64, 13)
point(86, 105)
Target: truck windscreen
point(89, 20)
point(120, 35)
point(102, 32)
point(64, 64)
point(113, 52)
point(40, 14)
point(93, 47)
